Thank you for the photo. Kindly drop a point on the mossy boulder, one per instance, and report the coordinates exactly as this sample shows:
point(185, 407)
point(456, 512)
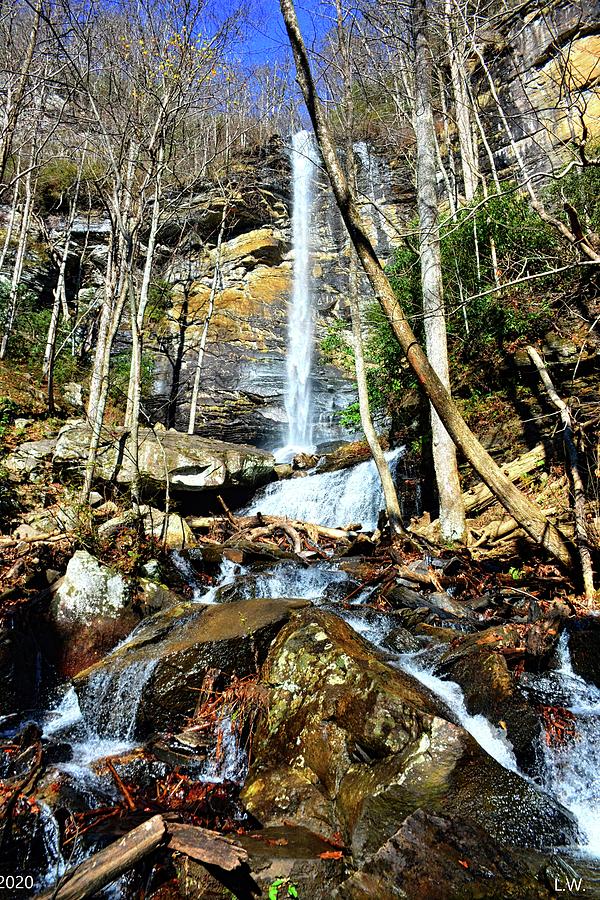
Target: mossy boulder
point(355, 745)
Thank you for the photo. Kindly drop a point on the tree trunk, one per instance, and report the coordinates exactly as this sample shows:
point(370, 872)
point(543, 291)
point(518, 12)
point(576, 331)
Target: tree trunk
point(390, 494)
point(13, 295)
point(581, 535)
point(452, 516)
point(461, 106)
point(523, 510)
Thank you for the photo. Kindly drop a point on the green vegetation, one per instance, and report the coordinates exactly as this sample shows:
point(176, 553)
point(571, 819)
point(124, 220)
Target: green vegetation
point(282, 887)
point(486, 326)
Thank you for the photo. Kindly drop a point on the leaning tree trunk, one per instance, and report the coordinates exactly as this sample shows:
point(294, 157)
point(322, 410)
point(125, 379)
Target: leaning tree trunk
point(528, 514)
point(388, 487)
point(452, 516)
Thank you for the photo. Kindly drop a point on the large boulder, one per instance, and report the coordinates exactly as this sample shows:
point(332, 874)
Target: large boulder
point(176, 648)
point(190, 463)
point(91, 611)
point(492, 690)
point(435, 856)
point(354, 745)
point(28, 461)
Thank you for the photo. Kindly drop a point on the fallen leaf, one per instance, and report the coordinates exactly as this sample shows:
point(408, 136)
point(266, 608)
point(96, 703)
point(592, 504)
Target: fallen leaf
point(331, 854)
point(463, 863)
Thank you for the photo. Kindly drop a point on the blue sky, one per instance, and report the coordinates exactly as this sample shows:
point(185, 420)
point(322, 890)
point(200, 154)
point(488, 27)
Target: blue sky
point(266, 37)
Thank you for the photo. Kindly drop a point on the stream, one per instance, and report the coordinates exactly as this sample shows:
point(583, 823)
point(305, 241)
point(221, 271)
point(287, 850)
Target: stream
point(103, 722)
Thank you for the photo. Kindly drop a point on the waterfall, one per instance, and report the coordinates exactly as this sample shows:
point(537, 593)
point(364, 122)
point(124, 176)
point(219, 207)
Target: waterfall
point(331, 498)
point(110, 701)
point(298, 399)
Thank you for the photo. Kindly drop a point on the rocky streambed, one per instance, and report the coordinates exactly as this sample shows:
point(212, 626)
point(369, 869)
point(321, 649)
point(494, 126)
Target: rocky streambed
point(354, 748)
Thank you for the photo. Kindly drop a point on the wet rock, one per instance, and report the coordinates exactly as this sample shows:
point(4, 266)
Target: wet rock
point(584, 646)
point(490, 688)
point(90, 612)
point(400, 640)
point(189, 462)
point(29, 460)
point(435, 856)
point(349, 454)
point(354, 745)
point(278, 856)
point(176, 648)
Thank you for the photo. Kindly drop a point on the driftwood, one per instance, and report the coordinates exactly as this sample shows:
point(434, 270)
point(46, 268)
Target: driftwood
point(581, 535)
point(37, 539)
point(242, 523)
point(479, 497)
point(88, 878)
point(206, 846)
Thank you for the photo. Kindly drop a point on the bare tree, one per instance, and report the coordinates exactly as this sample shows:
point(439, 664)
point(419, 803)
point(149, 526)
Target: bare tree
point(528, 514)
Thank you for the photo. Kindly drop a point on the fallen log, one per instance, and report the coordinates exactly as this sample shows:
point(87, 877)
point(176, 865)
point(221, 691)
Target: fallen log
point(581, 535)
point(479, 496)
point(86, 879)
point(206, 846)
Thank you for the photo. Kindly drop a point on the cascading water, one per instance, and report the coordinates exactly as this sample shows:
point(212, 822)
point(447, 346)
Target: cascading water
point(569, 769)
point(298, 394)
point(331, 498)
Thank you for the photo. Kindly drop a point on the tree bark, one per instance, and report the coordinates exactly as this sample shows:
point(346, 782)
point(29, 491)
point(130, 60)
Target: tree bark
point(523, 510)
point(452, 516)
point(581, 535)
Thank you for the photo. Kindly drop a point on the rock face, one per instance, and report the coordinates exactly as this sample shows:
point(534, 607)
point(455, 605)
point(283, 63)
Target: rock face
point(584, 646)
point(191, 463)
point(244, 370)
point(534, 49)
point(352, 745)
point(28, 461)
point(179, 645)
point(90, 613)
point(18, 671)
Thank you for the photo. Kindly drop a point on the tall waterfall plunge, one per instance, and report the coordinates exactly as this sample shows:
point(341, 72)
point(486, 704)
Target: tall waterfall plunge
point(298, 395)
